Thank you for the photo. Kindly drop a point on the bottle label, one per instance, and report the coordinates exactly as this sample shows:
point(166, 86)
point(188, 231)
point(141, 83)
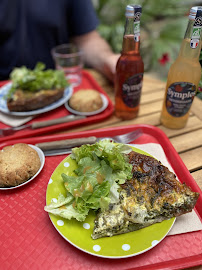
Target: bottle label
point(137, 16)
point(131, 90)
point(179, 98)
point(196, 34)
point(137, 31)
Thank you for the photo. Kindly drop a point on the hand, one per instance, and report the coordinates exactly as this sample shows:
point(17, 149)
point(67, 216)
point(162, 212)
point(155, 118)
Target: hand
point(98, 53)
point(110, 66)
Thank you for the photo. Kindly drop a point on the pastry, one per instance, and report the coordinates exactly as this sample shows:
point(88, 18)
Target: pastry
point(18, 163)
point(86, 100)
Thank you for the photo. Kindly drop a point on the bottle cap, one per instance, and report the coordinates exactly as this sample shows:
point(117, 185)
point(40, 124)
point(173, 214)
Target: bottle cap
point(129, 11)
point(133, 11)
point(137, 9)
point(137, 12)
point(193, 11)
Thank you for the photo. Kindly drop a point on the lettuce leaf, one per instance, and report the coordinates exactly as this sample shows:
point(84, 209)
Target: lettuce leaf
point(114, 156)
point(62, 200)
point(36, 79)
point(69, 212)
point(101, 168)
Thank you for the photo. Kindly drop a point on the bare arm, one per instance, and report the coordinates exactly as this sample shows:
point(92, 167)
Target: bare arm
point(97, 53)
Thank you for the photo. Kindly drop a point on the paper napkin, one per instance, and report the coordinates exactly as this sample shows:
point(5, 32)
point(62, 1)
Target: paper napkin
point(14, 121)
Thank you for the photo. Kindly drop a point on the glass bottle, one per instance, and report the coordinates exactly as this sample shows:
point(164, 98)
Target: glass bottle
point(184, 75)
point(130, 67)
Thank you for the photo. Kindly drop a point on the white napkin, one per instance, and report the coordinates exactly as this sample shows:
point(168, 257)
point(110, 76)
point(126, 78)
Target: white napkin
point(14, 121)
point(188, 222)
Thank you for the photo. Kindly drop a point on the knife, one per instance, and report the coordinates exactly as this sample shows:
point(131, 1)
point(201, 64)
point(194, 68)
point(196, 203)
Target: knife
point(64, 146)
point(57, 152)
point(35, 125)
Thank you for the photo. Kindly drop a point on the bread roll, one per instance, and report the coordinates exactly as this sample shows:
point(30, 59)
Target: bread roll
point(18, 163)
point(86, 100)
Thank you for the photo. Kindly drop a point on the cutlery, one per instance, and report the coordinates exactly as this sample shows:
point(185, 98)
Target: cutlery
point(35, 125)
point(65, 146)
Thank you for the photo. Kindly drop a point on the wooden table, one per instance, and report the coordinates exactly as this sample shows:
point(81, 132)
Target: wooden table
point(187, 141)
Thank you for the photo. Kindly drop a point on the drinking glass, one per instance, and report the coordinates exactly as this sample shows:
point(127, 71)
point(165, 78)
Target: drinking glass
point(69, 58)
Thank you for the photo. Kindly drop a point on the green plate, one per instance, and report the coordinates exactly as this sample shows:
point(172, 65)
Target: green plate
point(79, 233)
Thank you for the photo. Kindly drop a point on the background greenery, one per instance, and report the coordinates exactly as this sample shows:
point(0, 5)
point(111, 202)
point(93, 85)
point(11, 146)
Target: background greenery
point(163, 25)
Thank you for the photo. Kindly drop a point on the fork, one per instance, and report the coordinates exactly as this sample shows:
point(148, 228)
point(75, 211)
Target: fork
point(65, 146)
point(125, 138)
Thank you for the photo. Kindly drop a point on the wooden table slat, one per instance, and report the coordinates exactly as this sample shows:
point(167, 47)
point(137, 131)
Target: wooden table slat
point(197, 107)
point(193, 123)
point(187, 141)
point(150, 97)
point(192, 159)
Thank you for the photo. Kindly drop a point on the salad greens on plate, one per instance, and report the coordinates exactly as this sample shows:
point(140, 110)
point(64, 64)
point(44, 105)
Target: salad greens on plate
point(37, 79)
point(101, 167)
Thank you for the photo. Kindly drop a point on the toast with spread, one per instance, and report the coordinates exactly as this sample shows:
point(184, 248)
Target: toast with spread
point(35, 89)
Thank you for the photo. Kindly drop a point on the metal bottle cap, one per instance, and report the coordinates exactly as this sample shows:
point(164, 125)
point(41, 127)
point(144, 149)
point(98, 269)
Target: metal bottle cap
point(193, 11)
point(137, 9)
point(131, 10)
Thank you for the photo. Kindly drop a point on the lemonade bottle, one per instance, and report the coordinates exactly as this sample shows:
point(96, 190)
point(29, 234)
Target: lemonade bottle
point(184, 75)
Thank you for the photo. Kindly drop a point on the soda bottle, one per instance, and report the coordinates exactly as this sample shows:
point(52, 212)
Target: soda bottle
point(130, 67)
point(184, 75)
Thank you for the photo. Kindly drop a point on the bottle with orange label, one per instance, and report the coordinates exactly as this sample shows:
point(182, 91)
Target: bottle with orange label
point(130, 67)
point(184, 75)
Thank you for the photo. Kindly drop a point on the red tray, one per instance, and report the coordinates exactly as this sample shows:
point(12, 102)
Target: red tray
point(87, 82)
point(28, 240)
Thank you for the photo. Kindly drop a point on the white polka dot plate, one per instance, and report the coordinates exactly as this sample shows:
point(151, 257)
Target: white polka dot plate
point(42, 160)
point(79, 233)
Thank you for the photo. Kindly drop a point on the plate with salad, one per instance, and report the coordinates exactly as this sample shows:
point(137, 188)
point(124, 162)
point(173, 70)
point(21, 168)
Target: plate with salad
point(87, 182)
point(32, 92)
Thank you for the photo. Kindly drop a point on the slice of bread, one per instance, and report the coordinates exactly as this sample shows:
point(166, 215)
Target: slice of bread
point(23, 101)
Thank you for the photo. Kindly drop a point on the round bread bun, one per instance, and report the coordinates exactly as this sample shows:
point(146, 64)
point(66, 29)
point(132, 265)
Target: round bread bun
point(18, 163)
point(86, 100)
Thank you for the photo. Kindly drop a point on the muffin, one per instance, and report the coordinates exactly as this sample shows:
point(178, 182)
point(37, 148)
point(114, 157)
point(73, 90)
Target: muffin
point(86, 100)
point(18, 163)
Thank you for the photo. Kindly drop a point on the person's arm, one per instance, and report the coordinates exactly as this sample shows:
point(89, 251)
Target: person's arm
point(97, 53)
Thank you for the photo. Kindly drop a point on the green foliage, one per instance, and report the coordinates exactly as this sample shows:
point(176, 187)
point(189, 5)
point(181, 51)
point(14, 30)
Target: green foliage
point(163, 25)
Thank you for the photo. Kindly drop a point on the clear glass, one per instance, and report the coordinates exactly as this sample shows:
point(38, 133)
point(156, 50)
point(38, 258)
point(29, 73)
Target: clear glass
point(69, 58)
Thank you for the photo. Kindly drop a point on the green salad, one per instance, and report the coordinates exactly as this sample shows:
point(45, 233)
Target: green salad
point(101, 168)
point(36, 79)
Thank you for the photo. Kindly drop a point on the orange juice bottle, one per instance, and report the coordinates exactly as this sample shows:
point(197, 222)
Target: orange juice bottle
point(129, 68)
point(184, 75)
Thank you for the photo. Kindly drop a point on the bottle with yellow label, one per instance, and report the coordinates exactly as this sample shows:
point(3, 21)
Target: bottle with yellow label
point(184, 75)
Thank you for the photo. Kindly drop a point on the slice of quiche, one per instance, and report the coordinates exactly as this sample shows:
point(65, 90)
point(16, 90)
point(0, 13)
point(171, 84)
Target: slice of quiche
point(152, 195)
